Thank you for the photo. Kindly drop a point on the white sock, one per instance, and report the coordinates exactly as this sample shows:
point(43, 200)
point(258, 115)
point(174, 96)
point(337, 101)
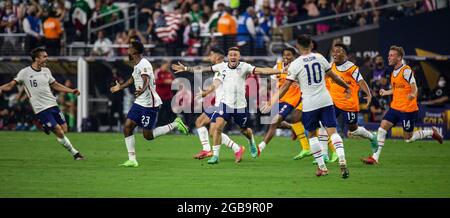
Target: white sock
point(229, 143)
point(129, 142)
point(204, 138)
point(216, 150)
point(338, 144)
point(162, 130)
point(317, 152)
point(421, 134)
point(362, 132)
point(380, 138)
point(66, 143)
point(262, 145)
point(323, 139)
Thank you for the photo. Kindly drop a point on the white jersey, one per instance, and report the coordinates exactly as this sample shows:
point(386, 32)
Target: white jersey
point(219, 92)
point(149, 98)
point(309, 71)
point(37, 87)
point(233, 83)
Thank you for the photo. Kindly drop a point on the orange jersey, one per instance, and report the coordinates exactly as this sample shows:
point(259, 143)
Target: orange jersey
point(293, 94)
point(350, 75)
point(52, 28)
point(400, 90)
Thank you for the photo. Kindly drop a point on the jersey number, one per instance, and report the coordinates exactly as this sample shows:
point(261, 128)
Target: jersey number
point(33, 83)
point(145, 120)
point(316, 73)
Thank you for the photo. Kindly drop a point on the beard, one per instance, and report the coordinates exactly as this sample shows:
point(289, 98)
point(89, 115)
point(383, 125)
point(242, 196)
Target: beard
point(130, 57)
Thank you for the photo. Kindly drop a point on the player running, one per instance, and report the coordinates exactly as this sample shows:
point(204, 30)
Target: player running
point(291, 102)
point(216, 56)
point(348, 107)
point(38, 82)
point(144, 111)
point(309, 71)
point(403, 108)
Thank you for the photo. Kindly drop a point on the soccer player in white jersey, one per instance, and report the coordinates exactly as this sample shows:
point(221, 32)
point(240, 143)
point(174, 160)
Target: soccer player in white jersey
point(231, 75)
point(144, 112)
point(309, 70)
point(216, 56)
point(38, 82)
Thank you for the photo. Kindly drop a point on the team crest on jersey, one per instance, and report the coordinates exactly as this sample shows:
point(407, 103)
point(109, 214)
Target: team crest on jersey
point(221, 112)
point(49, 124)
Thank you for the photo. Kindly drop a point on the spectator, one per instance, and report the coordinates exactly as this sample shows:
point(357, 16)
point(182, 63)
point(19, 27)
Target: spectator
point(377, 106)
point(325, 10)
point(53, 30)
point(68, 106)
point(113, 9)
point(290, 7)
point(195, 13)
point(213, 20)
point(116, 102)
point(164, 79)
point(380, 70)
point(246, 31)
point(168, 6)
point(265, 24)
point(102, 46)
point(9, 20)
point(227, 25)
point(440, 94)
point(122, 41)
point(261, 4)
point(32, 26)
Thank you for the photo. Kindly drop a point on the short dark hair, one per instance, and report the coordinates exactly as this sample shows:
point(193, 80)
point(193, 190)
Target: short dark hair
point(304, 41)
point(342, 46)
point(217, 51)
point(35, 52)
point(138, 46)
point(399, 50)
point(292, 50)
point(233, 49)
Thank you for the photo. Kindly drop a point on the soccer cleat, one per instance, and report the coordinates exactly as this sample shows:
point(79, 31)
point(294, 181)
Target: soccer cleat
point(370, 160)
point(302, 154)
point(320, 172)
point(130, 163)
point(344, 171)
point(436, 135)
point(203, 154)
point(374, 143)
point(181, 126)
point(239, 154)
point(213, 160)
point(78, 156)
point(293, 135)
point(334, 157)
point(254, 150)
point(326, 159)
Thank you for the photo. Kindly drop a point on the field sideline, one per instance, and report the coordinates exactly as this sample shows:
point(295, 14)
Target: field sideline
point(33, 164)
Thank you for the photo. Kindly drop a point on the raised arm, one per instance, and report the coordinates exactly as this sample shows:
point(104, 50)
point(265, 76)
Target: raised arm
point(277, 95)
point(62, 88)
point(338, 80)
point(122, 86)
point(178, 68)
point(267, 71)
point(8, 86)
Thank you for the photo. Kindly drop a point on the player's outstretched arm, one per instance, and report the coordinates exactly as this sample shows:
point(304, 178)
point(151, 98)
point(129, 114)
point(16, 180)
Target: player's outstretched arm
point(385, 92)
point(266, 108)
point(178, 68)
point(122, 86)
point(8, 86)
point(339, 81)
point(267, 71)
point(62, 88)
point(366, 90)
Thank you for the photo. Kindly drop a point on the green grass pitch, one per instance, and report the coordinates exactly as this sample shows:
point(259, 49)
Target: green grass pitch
point(35, 165)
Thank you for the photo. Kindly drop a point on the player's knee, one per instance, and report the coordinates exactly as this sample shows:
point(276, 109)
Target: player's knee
point(148, 135)
point(198, 123)
point(352, 127)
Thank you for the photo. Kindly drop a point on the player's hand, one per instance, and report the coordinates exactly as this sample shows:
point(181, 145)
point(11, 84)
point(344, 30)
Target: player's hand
point(348, 93)
point(382, 92)
point(368, 100)
point(266, 108)
point(138, 92)
point(199, 94)
point(411, 96)
point(1, 92)
point(76, 92)
point(179, 67)
point(115, 88)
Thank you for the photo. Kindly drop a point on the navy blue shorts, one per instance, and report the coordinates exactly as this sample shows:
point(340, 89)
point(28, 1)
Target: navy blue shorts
point(408, 119)
point(144, 117)
point(349, 117)
point(284, 109)
point(50, 117)
point(326, 115)
point(211, 112)
point(240, 116)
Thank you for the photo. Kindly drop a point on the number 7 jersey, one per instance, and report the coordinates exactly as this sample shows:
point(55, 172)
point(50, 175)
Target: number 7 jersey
point(309, 72)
